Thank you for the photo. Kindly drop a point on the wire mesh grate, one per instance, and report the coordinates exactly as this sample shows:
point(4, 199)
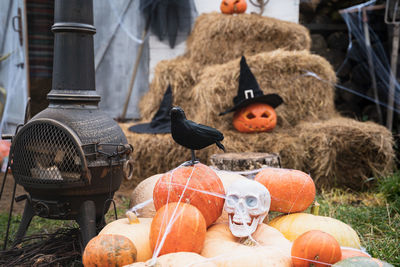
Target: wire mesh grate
point(45, 153)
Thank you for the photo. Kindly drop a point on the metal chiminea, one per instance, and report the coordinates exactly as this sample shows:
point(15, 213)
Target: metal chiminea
point(71, 157)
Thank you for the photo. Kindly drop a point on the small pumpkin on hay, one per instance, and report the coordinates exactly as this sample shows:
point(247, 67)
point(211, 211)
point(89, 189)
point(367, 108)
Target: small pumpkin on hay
point(254, 111)
point(233, 6)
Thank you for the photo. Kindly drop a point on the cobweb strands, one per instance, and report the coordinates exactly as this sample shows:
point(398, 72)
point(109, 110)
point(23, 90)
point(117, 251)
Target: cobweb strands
point(369, 50)
point(380, 102)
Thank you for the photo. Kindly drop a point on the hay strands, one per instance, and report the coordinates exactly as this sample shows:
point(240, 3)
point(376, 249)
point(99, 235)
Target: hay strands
point(55, 249)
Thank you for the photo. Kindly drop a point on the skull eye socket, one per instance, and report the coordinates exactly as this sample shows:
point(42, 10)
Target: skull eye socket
point(251, 201)
point(250, 116)
point(232, 200)
point(264, 115)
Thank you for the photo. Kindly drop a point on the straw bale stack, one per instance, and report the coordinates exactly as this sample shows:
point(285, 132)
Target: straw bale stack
point(158, 153)
point(282, 72)
point(345, 152)
point(217, 38)
point(310, 136)
point(338, 152)
point(227, 37)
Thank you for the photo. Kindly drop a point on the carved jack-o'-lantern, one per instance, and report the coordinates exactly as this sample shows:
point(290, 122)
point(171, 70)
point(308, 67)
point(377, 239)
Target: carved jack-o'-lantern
point(257, 117)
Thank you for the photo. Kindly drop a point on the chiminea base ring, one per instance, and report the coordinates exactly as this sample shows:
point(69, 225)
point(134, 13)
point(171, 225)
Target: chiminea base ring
point(86, 219)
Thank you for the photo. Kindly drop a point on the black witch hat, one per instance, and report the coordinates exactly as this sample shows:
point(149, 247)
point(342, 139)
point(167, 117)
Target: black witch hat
point(161, 122)
point(249, 91)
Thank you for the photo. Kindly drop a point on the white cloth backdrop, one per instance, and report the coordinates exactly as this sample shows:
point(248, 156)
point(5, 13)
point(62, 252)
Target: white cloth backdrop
point(13, 73)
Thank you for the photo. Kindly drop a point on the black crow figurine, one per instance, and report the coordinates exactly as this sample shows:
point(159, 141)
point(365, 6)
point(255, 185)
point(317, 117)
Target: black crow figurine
point(193, 135)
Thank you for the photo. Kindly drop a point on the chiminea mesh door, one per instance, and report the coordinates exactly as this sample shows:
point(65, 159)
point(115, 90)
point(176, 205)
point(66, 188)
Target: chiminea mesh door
point(47, 152)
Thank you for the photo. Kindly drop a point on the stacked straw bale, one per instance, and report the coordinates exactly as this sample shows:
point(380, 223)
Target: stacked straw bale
point(217, 38)
point(282, 72)
point(345, 152)
point(310, 135)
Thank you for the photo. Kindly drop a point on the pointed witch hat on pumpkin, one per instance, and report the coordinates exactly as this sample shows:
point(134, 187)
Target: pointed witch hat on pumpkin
point(249, 91)
point(161, 122)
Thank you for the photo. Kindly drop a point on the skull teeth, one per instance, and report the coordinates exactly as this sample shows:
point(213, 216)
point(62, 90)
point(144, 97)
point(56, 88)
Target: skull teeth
point(239, 222)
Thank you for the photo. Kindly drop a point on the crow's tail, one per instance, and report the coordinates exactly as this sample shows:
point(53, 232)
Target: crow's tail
point(221, 146)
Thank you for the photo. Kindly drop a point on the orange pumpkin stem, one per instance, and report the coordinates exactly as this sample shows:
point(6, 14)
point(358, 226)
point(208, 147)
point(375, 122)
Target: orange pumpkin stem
point(248, 241)
point(132, 217)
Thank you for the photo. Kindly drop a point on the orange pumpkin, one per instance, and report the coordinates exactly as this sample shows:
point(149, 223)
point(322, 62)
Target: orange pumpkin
point(204, 190)
point(256, 117)
point(315, 248)
point(136, 230)
point(226, 7)
point(187, 229)
point(291, 190)
point(233, 6)
point(239, 6)
point(109, 250)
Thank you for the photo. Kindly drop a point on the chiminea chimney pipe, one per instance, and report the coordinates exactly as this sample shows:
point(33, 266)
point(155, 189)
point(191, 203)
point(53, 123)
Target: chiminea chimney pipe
point(73, 61)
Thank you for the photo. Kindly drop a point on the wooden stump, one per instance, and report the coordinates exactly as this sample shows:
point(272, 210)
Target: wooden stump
point(244, 161)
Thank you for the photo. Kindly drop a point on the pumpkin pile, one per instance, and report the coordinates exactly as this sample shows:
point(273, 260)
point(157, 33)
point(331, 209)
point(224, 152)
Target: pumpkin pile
point(189, 227)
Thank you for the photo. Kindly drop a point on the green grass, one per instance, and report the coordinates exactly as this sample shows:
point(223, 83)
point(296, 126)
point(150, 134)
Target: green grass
point(376, 220)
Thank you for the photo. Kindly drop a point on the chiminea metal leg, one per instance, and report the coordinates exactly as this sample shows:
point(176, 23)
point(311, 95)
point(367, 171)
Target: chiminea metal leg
point(24, 224)
point(87, 221)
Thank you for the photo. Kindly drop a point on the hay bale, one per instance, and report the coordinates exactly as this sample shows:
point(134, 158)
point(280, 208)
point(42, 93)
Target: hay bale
point(181, 74)
point(346, 153)
point(338, 152)
point(158, 153)
point(218, 38)
point(305, 97)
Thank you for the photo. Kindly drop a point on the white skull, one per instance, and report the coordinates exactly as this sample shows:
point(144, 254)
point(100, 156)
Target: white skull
point(247, 203)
